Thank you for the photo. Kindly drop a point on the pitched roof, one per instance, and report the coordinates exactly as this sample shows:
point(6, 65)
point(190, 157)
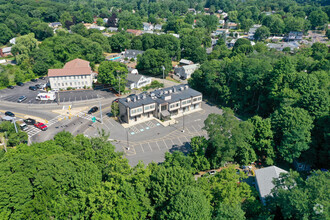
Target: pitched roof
point(134, 77)
point(72, 68)
point(265, 178)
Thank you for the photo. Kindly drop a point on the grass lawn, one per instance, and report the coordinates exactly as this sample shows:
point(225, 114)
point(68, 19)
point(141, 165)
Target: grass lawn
point(171, 79)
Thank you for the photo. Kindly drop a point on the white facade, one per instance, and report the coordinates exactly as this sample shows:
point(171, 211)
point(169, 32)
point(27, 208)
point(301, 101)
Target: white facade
point(77, 82)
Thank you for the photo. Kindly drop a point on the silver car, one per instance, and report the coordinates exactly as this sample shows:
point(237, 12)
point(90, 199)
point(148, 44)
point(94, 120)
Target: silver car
point(21, 99)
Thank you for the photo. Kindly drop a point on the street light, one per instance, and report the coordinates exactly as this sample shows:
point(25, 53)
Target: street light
point(127, 148)
point(118, 72)
point(163, 75)
point(183, 122)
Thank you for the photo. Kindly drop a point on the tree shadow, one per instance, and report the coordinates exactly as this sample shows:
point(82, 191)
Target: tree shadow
point(185, 148)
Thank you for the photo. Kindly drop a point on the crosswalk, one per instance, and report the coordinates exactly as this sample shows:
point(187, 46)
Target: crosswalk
point(86, 116)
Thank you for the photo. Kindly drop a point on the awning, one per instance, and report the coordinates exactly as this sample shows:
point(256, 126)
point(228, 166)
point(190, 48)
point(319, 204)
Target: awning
point(165, 113)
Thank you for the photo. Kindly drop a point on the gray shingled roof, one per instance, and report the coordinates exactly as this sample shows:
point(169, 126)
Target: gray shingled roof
point(264, 178)
point(177, 93)
point(133, 78)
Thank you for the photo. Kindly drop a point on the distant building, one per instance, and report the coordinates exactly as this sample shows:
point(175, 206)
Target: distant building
point(112, 29)
point(185, 72)
point(55, 24)
point(6, 51)
point(231, 43)
point(252, 31)
point(232, 25)
point(13, 40)
point(134, 32)
point(148, 26)
point(280, 46)
point(161, 104)
point(294, 36)
point(221, 31)
point(136, 81)
point(129, 54)
point(75, 74)
point(100, 28)
point(222, 22)
point(185, 62)
point(158, 27)
point(264, 180)
point(105, 20)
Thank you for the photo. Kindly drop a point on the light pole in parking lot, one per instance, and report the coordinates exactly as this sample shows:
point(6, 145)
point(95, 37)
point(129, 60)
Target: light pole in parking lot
point(127, 148)
point(163, 75)
point(183, 121)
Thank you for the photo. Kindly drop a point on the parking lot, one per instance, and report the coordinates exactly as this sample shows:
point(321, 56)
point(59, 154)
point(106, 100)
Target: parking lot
point(148, 141)
point(12, 95)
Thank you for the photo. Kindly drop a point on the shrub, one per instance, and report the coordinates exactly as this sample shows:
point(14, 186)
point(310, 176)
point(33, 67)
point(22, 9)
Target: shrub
point(69, 88)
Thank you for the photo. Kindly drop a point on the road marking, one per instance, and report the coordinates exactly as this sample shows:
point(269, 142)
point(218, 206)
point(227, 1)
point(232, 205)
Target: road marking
point(149, 146)
point(165, 144)
point(157, 145)
point(194, 129)
point(142, 148)
point(187, 139)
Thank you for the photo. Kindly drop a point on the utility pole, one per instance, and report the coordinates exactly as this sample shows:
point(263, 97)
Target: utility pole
point(15, 125)
point(100, 109)
point(58, 97)
point(127, 148)
point(183, 122)
point(119, 84)
point(163, 76)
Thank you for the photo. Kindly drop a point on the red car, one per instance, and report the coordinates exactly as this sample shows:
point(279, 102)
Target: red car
point(41, 126)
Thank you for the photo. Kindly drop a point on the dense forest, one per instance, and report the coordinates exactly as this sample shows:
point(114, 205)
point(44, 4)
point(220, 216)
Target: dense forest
point(282, 99)
point(81, 178)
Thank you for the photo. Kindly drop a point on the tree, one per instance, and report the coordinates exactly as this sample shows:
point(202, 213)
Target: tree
point(227, 212)
point(119, 42)
point(80, 29)
point(247, 24)
point(23, 47)
point(263, 139)
point(262, 33)
point(129, 20)
point(99, 22)
point(318, 18)
point(152, 61)
point(102, 40)
point(294, 24)
point(302, 199)
point(111, 73)
point(5, 34)
point(292, 131)
point(42, 30)
point(115, 109)
point(189, 203)
point(240, 42)
point(320, 51)
point(65, 17)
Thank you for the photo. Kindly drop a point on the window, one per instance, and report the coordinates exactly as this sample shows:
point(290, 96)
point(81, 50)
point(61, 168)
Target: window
point(86, 83)
point(62, 84)
point(70, 83)
point(200, 98)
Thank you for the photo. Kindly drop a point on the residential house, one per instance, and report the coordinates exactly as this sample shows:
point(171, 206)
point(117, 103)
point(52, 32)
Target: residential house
point(252, 31)
point(231, 43)
point(136, 81)
point(6, 51)
point(295, 36)
point(158, 27)
point(221, 23)
point(129, 54)
point(105, 20)
point(184, 72)
point(134, 32)
point(75, 74)
point(100, 28)
point(175, 35)
point(224, 15)
point(112, 29)
point(280, 46)
point(55, 25)
point(161, 103)
point(221, 31)
point(185, 62)
point(232, 25)
point(209, 50)
point(264, 180)
point(192, 10)
point(147, 26)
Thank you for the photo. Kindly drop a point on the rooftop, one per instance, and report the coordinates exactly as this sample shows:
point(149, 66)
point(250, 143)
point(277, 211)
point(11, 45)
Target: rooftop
point(72, 68)
point(172, 94)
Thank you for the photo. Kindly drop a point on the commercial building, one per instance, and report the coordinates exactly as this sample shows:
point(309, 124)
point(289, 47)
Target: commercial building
point(75, 74)
point(161, 104)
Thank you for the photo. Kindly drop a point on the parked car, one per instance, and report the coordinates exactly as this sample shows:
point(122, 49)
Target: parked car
point(212, 172)
point(21, 99)
point(92, 110)
point(41, 126)
point(41, 77)
point(38, 86)
point(34, 80)
point(8, 113)
point(116, 100)
point(10, 87)
point(29, 121)
point(33, 88)
point(20, 84)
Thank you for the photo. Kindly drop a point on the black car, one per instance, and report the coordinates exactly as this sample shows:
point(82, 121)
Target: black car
point(41, 77)
point(33, 88)
point(34, 80)
point(21, 99)
point(92, 110)
point(29, 121)
point(10, 87)
point(20, 84)
point(8, 113)
point(38, 86)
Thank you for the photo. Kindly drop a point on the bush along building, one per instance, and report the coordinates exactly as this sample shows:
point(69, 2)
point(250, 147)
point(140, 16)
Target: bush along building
point(161, 103)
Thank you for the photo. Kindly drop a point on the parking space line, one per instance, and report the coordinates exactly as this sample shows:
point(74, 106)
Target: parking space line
point(165, 144)
point(142, 148)
point(194, 129)
point(157, 145)
point(172, 142)
point(187, 139)
point(149, 146)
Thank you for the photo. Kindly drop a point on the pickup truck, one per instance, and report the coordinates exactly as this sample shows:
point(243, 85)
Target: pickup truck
point(22, 125)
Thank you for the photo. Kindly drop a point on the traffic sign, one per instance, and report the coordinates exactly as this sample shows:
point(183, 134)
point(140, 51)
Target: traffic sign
point(94, 119)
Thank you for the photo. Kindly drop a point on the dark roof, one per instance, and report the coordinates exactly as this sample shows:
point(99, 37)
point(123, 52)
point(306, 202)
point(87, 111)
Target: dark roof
point(177, 93)
point(133, 53)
